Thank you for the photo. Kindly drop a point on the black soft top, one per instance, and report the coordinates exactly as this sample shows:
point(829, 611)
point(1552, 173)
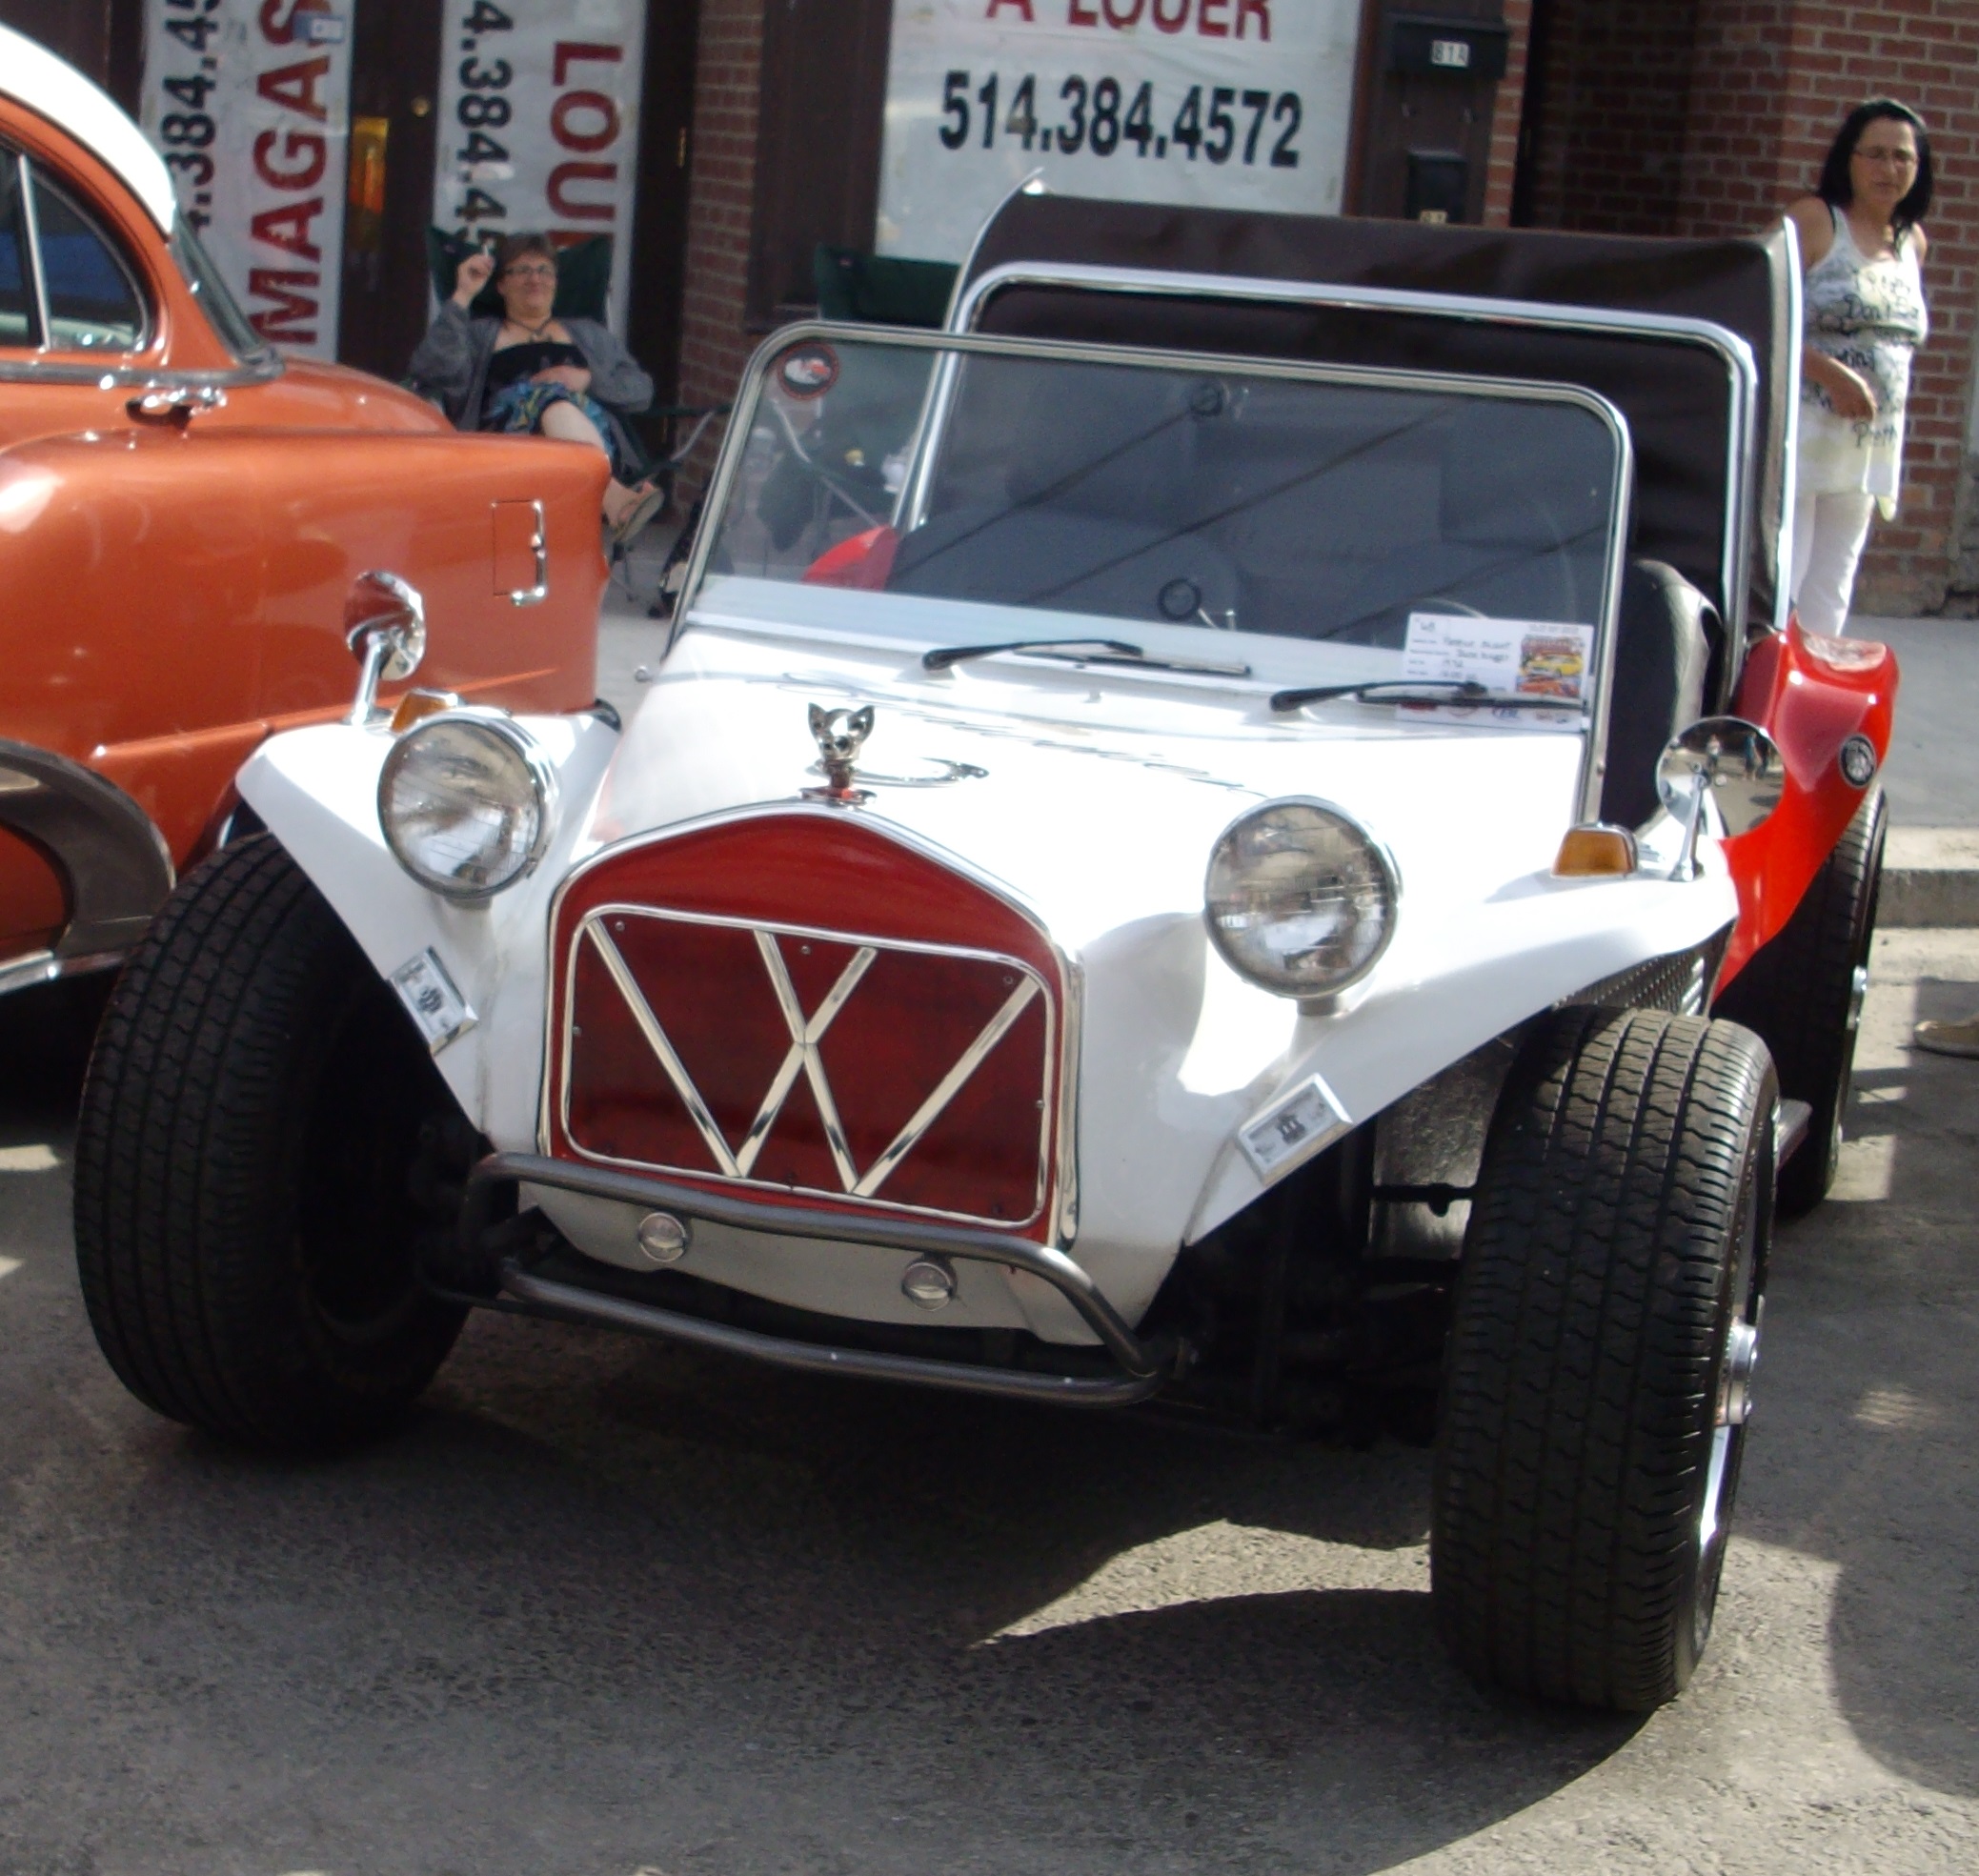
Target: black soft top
point(1673, 393)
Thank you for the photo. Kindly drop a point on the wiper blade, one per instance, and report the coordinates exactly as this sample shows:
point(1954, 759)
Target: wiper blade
point(1083, 651)
point(1425, 690)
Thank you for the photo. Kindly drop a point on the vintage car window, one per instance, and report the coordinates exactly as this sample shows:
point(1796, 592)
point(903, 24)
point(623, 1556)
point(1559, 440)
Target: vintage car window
point(221, 308)
point(17, 324)
point(93, 304)
point(1218, 499)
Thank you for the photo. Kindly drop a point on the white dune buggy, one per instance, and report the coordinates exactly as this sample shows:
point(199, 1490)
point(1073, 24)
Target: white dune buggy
point(1181, 847)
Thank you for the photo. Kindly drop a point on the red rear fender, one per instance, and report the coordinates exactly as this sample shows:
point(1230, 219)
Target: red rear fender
point(1811, 694)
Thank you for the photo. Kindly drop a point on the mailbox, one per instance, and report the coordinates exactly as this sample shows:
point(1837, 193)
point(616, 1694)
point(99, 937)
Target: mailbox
point(1439, 185)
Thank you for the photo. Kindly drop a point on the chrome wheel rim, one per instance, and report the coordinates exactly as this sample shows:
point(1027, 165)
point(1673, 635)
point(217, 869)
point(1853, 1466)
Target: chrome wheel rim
point(1738, 1362)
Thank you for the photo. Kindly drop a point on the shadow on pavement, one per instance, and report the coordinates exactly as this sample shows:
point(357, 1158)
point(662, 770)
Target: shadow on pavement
point(1874, 1461)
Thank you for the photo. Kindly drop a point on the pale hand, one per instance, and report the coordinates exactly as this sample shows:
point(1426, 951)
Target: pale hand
point(573, 378)
point(1849, 392)
point(471, 276)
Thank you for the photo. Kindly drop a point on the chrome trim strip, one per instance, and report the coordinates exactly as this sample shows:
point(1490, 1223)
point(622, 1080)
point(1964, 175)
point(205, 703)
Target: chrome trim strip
point(30, 228)
point(742, 1214)
point(1737, 354)
point(656, 1041)
point(806, 1033)
point(1790, 446)
point(733, 1164)
point(135, 378)
point(1071, 977)
point(947, 1088)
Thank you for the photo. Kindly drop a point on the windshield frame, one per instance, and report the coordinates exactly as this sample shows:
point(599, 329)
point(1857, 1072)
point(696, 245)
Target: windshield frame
point(925, 443)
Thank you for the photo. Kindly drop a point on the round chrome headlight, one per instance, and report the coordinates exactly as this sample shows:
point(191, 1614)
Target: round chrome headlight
point(1299, 899)
point(465, 801)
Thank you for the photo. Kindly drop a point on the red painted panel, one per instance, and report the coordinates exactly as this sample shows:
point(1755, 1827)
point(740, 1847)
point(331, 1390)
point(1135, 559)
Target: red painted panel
point(1809, 694)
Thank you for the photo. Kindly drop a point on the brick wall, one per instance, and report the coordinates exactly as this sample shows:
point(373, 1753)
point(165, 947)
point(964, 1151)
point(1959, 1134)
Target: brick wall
point(1769, 80)
point(1506, 111)
point(1609, 101)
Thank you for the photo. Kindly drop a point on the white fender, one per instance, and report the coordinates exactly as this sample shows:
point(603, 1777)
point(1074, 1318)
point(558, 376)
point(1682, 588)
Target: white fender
point(316, 791)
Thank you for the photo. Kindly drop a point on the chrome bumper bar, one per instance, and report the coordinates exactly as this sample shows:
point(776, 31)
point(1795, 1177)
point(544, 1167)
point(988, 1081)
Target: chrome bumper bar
point(1146, 1365)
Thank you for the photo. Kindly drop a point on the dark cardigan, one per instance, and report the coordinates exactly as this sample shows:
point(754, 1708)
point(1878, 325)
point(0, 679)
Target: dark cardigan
point(451, 367)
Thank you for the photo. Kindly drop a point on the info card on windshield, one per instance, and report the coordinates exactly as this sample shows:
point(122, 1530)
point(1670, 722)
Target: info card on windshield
point(1531, 657)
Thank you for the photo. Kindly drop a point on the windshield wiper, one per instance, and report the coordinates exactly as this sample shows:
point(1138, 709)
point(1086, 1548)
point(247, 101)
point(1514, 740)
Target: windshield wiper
point(1083, 651)
point(1425, 690)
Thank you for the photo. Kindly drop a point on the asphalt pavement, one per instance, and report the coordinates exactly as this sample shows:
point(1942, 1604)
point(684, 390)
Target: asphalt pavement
point(613, 1609)
point(608, 1608)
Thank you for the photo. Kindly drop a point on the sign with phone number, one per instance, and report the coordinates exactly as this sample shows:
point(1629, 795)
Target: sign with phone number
point(1227, 104)
point(539, 123)
point(247, 102)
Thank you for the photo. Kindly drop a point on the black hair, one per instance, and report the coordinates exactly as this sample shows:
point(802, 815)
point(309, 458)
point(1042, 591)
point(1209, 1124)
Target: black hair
point(1837, 190)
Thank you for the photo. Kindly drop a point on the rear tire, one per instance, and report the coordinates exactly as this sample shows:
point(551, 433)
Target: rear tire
point(257, 1116)
point(1802, 991)
point(1605, 1325)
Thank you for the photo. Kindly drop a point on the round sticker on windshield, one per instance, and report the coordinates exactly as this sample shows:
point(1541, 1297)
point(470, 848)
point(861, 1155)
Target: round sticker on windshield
point(808, 370)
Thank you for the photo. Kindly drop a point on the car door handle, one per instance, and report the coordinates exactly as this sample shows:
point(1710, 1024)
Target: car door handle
point(175, 404)
point(539, 549)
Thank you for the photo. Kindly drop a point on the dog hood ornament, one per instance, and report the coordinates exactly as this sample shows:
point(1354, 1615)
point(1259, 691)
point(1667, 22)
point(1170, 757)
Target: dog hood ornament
point(841, 735)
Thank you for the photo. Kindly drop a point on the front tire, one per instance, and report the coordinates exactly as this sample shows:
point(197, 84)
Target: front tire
point(1604, 1329)
point(258, 1117)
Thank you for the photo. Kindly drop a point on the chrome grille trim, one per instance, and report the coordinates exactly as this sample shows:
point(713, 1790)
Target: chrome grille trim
point(864, 1188)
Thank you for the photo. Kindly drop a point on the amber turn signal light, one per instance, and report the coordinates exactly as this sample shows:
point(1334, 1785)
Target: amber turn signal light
point(1595, 850)
point(417, 706)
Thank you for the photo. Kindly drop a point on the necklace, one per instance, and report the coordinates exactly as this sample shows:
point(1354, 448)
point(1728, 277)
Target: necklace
point(535, 332)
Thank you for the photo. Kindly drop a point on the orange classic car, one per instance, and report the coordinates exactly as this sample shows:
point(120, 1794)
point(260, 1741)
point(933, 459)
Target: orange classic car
point(185, 517)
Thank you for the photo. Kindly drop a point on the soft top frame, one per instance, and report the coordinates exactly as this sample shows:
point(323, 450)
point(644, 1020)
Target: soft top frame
point(1665, 329)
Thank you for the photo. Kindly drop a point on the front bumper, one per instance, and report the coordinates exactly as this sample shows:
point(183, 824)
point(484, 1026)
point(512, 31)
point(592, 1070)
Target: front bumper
point(1145, 1366)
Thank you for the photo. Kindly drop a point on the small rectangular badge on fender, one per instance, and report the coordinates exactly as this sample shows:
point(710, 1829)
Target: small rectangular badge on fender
point(432, 999)
point(1292, 1129)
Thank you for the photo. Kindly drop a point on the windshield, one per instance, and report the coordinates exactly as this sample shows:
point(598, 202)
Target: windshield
point(1219, 500)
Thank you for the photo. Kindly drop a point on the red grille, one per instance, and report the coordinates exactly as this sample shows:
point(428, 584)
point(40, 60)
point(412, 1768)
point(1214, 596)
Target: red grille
point(800, 1004)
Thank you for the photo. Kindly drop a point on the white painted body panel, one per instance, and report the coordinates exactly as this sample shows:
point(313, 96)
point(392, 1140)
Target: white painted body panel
point(1104, 795)
point(53, 87)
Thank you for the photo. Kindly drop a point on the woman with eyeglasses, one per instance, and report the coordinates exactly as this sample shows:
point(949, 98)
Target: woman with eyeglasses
point(531, 370)
point(1863, 246)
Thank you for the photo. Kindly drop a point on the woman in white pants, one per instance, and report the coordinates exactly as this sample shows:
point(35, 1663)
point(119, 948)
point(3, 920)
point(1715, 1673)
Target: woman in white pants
point(1863, 249)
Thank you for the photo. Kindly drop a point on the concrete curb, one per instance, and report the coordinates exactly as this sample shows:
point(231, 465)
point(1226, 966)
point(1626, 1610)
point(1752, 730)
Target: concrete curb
point(1930, 878)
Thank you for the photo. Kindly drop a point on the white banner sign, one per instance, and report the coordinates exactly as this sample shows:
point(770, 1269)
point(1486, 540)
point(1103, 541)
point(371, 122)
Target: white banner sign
point(539, 123)
point(247, 100)
point(1228, 104)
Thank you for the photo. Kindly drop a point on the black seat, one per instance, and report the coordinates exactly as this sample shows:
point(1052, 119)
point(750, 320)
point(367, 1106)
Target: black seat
point(1662, 651)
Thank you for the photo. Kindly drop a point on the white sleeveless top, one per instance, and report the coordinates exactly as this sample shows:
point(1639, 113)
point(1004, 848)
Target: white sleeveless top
point(1870, 315)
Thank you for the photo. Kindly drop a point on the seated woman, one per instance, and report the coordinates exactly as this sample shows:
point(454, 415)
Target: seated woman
point(531, 370)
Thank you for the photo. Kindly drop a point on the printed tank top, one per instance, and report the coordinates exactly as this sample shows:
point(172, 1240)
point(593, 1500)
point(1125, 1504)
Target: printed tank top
point(1870, 315)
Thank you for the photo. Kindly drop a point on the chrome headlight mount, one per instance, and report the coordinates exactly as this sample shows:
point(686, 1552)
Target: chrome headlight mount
point(467, 801)
point(1300, 899)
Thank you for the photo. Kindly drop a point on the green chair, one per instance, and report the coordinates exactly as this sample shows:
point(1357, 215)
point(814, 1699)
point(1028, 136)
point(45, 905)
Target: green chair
point(881, 290)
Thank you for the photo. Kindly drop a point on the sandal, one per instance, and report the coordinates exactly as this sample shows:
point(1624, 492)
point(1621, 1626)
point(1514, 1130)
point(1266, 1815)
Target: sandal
point(643, 510)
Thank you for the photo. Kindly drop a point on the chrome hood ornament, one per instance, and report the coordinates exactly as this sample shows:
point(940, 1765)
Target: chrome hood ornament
point(841, 735)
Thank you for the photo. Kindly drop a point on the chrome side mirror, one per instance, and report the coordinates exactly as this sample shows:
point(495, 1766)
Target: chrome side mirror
point(1727, 761)
point(385, 627)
